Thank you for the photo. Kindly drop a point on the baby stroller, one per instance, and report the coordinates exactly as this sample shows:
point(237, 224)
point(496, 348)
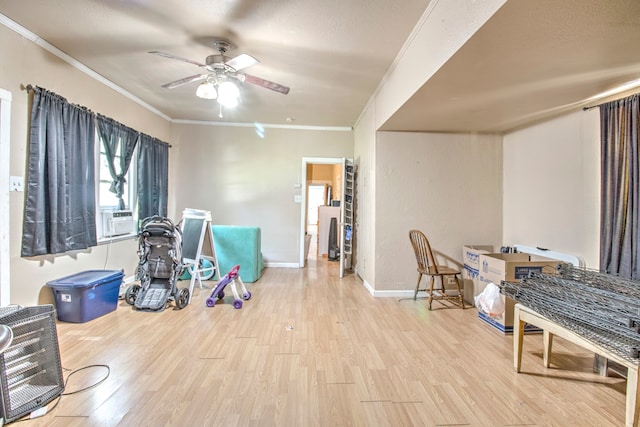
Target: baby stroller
point(160, 265)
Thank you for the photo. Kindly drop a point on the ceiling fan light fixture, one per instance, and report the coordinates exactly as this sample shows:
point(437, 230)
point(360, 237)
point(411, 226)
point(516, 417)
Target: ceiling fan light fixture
point(206, 90)
point(228, 94)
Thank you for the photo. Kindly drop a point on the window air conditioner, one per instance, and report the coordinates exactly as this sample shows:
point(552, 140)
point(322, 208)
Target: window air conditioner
point(116, 223)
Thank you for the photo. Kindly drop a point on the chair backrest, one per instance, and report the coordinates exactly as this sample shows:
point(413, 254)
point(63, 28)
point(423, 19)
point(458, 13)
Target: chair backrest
point(424, 256)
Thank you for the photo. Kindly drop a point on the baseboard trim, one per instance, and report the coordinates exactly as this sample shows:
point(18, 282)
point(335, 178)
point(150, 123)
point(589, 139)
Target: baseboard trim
point(282, 264)
point(368, 287)
point(397, 293)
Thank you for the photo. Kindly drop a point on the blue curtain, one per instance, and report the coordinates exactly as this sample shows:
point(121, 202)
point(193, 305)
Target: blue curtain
point(114, 135)
point(153, 171)
point(620, 187)
point(60, 202)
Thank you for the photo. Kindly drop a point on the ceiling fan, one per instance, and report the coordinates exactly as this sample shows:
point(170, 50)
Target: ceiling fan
point(220, 69)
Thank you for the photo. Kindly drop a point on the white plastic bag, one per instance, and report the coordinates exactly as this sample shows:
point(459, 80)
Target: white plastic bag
point(490, 301)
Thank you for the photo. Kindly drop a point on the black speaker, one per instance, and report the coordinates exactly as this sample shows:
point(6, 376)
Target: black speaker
point(333, 249)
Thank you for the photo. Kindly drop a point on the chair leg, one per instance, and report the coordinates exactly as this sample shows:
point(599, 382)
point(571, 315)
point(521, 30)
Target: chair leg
point(459, 292)
point(415, 294)
point(431, 282)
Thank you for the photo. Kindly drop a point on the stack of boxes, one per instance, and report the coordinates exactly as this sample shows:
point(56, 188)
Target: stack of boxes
point(471, 271)
point(482, 267)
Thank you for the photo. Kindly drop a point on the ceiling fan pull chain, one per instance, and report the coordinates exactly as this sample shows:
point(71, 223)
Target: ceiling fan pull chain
point(220, 115)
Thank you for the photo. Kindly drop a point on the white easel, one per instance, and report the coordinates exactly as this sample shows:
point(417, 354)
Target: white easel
point(197, 244)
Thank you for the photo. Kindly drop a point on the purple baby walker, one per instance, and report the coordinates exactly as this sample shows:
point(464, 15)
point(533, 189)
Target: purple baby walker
point(230, 278)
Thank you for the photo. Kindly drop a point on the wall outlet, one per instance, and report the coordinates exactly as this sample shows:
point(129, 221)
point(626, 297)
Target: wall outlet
point(16, 183)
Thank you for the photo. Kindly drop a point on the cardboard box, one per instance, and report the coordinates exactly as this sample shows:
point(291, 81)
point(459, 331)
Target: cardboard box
point(471, 269)
point(494, 268)
point(86, 295)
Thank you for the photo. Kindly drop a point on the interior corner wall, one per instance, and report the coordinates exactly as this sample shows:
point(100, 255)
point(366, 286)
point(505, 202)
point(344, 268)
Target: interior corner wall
point(364, 137)
point(442, 30)
point(449, 186)
point(23, 63)
point(552, 186)
point(246, 179)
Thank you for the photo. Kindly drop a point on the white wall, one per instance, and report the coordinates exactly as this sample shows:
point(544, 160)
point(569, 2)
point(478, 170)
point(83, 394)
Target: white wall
point(26, 63)
point(442, 30)
point(241, 178)
point(247, 180)
point(552, 186)
point(365, 215)
point(448, 186)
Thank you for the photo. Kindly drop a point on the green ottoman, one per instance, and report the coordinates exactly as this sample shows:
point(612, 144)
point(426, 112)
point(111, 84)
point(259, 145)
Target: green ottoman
point(236, 244)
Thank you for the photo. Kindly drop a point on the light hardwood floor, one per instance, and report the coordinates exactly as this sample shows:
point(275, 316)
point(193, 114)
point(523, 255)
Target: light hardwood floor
point(310, 349)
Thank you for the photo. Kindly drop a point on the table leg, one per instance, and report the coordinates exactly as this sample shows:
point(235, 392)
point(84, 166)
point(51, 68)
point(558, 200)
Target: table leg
point(547, 341)
point(633, 404)
point(518, 336)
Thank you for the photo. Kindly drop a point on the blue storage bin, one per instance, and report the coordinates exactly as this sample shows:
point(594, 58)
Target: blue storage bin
point(84, 296)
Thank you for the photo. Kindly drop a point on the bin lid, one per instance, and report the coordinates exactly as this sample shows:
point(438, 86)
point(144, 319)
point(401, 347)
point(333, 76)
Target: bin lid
point(87, 279)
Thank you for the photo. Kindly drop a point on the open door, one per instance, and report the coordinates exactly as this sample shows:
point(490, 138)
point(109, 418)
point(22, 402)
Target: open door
point(346, 215)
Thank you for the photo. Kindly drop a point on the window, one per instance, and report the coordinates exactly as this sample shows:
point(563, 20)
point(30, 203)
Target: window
point(66, 207)
point(106, 200)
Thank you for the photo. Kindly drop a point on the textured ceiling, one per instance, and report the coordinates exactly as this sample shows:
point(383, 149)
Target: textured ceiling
point(331, 53)
point(531, 61)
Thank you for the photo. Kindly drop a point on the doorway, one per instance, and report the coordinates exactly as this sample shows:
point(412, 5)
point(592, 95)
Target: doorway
point(316, 188)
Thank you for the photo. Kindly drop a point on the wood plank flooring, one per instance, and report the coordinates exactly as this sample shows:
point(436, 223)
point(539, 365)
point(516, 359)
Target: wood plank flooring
point(310, 349)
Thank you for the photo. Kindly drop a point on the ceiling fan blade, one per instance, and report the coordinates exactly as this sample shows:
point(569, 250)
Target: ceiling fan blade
point(179, 58)
point(242, 61)
point(184, 81)
point(266, 84)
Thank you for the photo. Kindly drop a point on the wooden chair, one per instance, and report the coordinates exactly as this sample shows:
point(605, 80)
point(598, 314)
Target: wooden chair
point(428, 266)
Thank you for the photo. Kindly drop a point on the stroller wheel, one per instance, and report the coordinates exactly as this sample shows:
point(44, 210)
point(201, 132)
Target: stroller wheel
point(246, 295)
point(131, 294)
point(237, 304)
point(220, 295)
point(182, 299)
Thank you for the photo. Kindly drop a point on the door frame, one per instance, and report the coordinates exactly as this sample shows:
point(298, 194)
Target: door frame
point(5, 202)
point(303, 192)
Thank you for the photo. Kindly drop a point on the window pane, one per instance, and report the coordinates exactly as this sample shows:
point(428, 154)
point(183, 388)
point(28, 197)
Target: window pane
point(105, 197)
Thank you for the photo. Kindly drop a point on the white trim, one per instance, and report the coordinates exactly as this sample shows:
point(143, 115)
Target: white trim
point(5, 225)
point(129, 280)
point(392, 293)
point(126, 282)
point(109, 240)
point(573, 259)
point(281, 265)
point(399, 293)
point(418, 27)
point(12, 25)
point(368, 287)
point(263, 125)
